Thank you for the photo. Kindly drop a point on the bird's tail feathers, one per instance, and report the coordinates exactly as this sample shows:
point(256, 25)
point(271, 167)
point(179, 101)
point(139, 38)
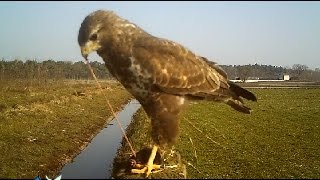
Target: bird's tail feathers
point(241, 92)
point(235, 101)
point(237, 105)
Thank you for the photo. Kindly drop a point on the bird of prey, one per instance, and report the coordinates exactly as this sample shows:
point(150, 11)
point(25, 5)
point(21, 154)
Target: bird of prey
point(159, 73)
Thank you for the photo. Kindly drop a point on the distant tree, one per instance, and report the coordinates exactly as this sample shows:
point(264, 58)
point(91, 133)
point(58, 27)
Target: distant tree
point(30, 69)
point(2, 69)
point(244, 72)
point(230, 70)
point(298, 70)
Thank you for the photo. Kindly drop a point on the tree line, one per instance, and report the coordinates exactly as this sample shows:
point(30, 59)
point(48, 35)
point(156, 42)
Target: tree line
point(268, 72)
point(50, 69)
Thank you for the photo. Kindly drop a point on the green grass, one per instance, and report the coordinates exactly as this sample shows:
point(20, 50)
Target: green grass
point(44, 126)
point(280, 139)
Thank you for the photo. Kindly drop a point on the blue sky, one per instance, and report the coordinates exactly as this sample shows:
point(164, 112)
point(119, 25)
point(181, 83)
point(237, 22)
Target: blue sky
point(272, 33)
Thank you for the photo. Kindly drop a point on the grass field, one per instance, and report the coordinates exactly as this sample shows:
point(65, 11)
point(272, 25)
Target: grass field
point(43, 126)
point(280, 139)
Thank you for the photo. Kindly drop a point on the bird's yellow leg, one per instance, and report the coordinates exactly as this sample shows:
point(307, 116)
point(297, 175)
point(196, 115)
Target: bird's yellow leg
point(150, 166)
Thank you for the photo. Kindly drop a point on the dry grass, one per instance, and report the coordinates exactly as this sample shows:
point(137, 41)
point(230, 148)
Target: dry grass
point(43, 127)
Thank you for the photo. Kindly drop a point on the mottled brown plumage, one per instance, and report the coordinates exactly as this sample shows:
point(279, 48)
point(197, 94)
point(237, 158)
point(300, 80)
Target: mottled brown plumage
point(159, 73)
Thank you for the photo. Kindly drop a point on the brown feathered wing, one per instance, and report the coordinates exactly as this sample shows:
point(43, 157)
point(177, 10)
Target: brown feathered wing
point(175, 70)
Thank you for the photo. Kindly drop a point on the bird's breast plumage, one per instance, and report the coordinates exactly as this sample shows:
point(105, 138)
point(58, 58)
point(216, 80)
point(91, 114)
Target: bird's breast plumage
point(128, 71)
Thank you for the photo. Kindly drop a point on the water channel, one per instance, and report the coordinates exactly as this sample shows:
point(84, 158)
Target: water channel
point(95, 161)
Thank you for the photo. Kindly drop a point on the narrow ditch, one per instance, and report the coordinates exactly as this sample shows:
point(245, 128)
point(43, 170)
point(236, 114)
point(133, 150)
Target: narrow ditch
point(95, 161)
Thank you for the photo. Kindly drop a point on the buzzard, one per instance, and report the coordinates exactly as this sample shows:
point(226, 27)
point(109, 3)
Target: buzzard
point(159, 73)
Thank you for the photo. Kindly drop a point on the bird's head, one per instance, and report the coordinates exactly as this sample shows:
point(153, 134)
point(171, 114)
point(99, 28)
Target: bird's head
point(90, 33)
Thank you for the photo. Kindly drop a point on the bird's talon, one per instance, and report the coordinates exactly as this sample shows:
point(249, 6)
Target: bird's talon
point(138, 166)
point(146, 169)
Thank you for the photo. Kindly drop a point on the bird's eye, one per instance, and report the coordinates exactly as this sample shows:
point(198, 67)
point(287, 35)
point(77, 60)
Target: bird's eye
point(93, 37)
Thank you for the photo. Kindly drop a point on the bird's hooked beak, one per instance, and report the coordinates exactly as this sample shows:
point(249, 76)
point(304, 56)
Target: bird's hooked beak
point(84, 52)
point(89, 47)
